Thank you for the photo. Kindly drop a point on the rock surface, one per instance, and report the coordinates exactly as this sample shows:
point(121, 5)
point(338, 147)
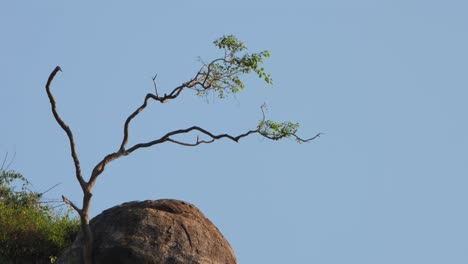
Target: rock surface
point(161, 231)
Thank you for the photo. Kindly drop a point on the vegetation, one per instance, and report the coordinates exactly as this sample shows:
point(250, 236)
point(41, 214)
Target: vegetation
point(31, 231)
point(221, 76)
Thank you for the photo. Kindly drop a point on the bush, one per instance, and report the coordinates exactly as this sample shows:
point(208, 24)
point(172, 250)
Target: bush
point(30, 230)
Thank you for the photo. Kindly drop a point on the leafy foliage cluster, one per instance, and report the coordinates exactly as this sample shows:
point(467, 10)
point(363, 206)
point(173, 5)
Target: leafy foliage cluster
point(30, 230)
point(278, 130)
point(222, 75)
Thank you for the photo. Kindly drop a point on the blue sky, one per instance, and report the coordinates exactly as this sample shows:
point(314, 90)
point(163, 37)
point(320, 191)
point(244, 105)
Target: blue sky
point(384, 80)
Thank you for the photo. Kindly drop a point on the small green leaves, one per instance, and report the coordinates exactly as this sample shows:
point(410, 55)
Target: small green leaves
point(230, 43)
point(10, 194)
point(223, 74)
point(29, 227)
point(276, 130)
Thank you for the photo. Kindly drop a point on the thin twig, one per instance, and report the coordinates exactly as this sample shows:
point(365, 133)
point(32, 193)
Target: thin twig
point(57, 206)
point(11, 161)
point(2, 168)
point(154, 83)
point(4, 160)
point(310, 139)
point(50, 189)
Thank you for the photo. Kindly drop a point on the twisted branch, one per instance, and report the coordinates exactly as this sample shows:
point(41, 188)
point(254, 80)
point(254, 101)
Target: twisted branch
point(174, 94)
point(185, 131)
point(67, 129)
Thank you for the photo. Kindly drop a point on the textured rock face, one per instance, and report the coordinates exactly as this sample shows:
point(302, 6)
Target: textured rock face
point(162, 231)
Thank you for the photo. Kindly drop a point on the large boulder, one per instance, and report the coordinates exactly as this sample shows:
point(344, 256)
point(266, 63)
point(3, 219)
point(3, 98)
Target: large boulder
point(162, 231)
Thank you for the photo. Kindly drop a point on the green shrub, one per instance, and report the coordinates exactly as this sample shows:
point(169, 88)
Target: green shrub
point(31, 231)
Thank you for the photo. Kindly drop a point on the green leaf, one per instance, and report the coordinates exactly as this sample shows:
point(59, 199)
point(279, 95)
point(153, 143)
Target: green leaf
point(276, 130)
point(224, 74)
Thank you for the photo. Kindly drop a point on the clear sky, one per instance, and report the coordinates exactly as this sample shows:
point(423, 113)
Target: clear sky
point(386, 81)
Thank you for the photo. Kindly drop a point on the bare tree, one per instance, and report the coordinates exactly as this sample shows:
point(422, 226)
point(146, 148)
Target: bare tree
point(220, 76)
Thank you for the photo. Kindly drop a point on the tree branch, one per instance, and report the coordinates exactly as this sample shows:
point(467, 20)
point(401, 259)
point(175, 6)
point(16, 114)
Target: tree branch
point(70, 203)
point(310, 139)
point(185, 131)
point(298, 139)
point(154, 84)
point(67, 130)
point(190, 144)
point(174, 94)
point(99, 168)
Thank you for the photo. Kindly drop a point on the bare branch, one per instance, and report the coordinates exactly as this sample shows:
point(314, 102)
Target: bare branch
point(264, 108)
point(48, 190)
point(70, 203)
point(174, 94)
point(310, 139)
point(185, 131)
point(99, 168)
point(129, 119)
point(154, 83)
point(2, 168)
point(4, 160)
point(65, 128)
point(190, 144)
point(11, 161)
point(57, 206)
point(163, 99)
point(298, 139)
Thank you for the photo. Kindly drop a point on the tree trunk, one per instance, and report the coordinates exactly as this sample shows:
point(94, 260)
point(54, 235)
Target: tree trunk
point(87, 241)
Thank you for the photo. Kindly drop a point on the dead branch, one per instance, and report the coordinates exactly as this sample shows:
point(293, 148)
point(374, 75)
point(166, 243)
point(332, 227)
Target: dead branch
point(155, 87)
point(198, 142)
point(65, 128)
point(185, 131)
point(163, 99)
point(99, 168)
point(70, 203)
